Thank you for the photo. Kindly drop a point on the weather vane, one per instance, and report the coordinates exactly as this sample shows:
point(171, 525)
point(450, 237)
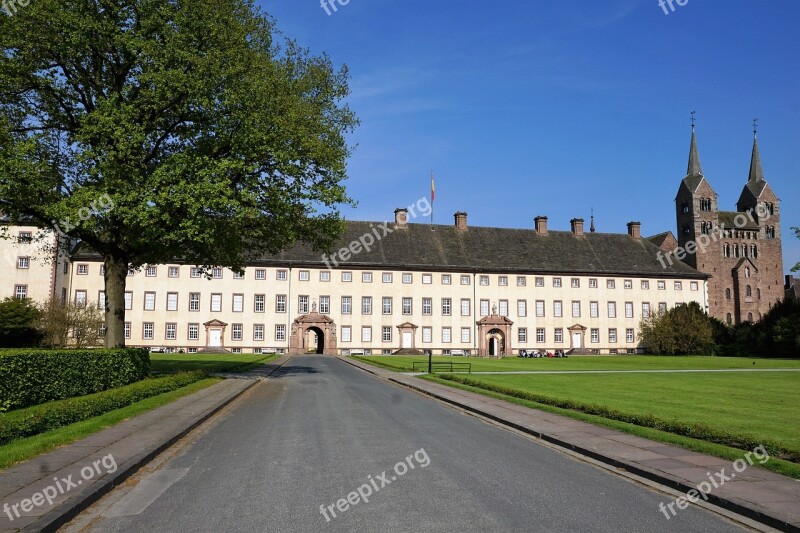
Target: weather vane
point(755, 126)
point(693, 118)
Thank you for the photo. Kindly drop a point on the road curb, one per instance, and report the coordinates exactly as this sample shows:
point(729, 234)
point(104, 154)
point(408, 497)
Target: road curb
point(724, 503)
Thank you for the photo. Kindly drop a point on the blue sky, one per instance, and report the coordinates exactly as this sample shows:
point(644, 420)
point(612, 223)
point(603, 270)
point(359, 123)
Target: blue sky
point(525, 108)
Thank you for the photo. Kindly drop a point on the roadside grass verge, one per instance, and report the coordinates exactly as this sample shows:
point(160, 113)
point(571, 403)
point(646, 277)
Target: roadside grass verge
point(29, 447)
point(212, 362)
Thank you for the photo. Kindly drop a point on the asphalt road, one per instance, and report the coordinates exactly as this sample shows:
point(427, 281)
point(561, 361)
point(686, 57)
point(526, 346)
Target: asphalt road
point(321, 429)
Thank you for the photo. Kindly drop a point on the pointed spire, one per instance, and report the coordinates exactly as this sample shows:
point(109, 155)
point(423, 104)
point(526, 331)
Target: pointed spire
point(694, 168)
point(756, 172)
point(591, 227)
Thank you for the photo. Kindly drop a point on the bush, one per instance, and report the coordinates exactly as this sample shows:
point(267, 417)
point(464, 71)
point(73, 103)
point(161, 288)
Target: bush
point(30, 377)
point(683, 330)
point(40, 418)
point(17, 323)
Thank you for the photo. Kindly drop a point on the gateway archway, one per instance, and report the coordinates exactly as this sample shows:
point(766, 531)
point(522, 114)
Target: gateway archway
point(313, 333)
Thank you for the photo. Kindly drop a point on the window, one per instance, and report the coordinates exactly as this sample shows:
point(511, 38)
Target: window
point(366, 277)
point(151, 271)
point(628, 309)
point(128, 300)
point(346, 334)
point(446, 335)
point(386, 333)
point(347, 277)
point(304, 275)
point(216, 302)
point(447, 304)
point(594, 310)
point(693, 286)
point(236, 332)
point(147, 331)
point(576, 309)
point(728, 318)
point(592, 283)
point(281, 275)
point(131, 271)
point(427, 306)
point(407, 306)
point(539, 282)
point(502, 281)
point(612, 335)
point(127, 330)
point(366, 334)
point(465, 280)
point(539, 308)
point(216, 273)
point(325, 304)
point(237, 306)
point(101, 299)
point(366, 305)
point(503, 308)
point(645, 284)
point(427, 334)
point(261, 274)
point(280, 332)
point(194, 332)
point(23, 262)
point(540, 335)
point(427, 279)
point(522, 308)
point(80, 297)
point(387, 305)
point(645, 310)
point(748, 292)
point(522, 335)
point(483, 281)
point(149, 301)
point(611, 283)
point(171, 331)
point(446, 279)
point(484, 307)
point(521, 281)
point(612, 309)
point(628, 283)
point(557, 309)
point(466, 307)
point(83, 269)
point(465, 335)
point(196, 272)
point(575, 283)
point(629, 335)
point(25, 237)
point(259, 303)
point(20, 292)
point(408, 278)
point(558, 335)
point(594, 335)
point(347, 305)
point(280, 303)
point(678, 286)
point(173, 272)
point(557, 283)
point(662, 308)
point(387, 277)
point(749, 317)
point(102, 269)
point(325, 275)
point(662, 285)
point(302, 304)
point(258, 332)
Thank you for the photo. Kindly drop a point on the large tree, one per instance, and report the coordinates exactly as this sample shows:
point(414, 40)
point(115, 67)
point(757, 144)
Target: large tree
point(155, 130)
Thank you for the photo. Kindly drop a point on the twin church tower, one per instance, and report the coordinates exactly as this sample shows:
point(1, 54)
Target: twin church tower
point(740, 250)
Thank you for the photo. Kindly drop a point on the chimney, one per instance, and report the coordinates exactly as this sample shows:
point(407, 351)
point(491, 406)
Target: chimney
point(577, 226)
point(635, 229)
point(461, 220)
point(540, 223)
point(401, 217)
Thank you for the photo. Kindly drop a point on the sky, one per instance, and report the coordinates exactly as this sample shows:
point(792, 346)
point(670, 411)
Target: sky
point(526, 108)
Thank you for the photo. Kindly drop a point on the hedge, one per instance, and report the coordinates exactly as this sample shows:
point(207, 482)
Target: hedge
point(30, 377)
point(40, 418)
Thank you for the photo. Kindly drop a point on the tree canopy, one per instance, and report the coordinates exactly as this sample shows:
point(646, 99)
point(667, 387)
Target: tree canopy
point(155, 130)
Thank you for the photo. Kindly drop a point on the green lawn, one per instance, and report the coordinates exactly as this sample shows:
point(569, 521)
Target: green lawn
point(211, 362)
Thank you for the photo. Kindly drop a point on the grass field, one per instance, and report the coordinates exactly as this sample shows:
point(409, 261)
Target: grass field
point(211, 362)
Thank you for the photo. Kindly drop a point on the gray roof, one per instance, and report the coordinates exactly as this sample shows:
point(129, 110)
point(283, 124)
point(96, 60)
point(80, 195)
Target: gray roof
point(694, 168)
point(728, 218)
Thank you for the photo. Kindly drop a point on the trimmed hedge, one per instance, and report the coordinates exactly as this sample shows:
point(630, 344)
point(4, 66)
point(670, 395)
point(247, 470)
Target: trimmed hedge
point(40, 418)
point(30, 377)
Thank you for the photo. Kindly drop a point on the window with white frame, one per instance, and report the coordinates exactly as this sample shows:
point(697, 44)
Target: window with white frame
point(25, 237)
point(540, 338)
point(83, 269)
point(80, 297)
point(628, 309)
point(522, 308)
point(347, 305)
point(196, 272)
point(645, 284)
point(366, 334)
point(281, 275)
point(502, 281)
point(483, 281)
point(147, 331)
point(612, 335)
point(347, 333)
point(447, 306)
point(427, 334)
point(387, 277)
point(628, 283)
point(366, 277)
point(128, 300)
point(238, 275)
point(576, 309)
point(408, 278)
point(446, 279)
point(302, 304)
point(539, 281)
point(575, 283)
point(216, 302)
point(149, 301)
point(194, 332)
point(23, 262)
point(662, 308)
point(216, 273)
point(366, 305)
point(446, 335)
point(558, 335)
point(466, 307)
point(645, 310)
point(259, 303)
point(465, 335)
point(151, 271)
point(522, 335)
point(280, 332)
point(427, 306)
point(465, 280)
point(324, 305)
point(612, 309)
point(484, 307)
point(662, 285)
point(102, 269)
point(557, 283)
point(237, 305)
point(592, 283)
point(258, 332)
point(539, 308)
point(303, 275)
point(171, 331)
point(325, 275)
point(594, 310)
point(594, 335)
point(127, 330)
point(236, 332)
point(173, 272)
point(503, 307)
point(558, 310)
point(261, 274)
point(101, 300)
point(386, 333)
point(347, 277)
point(387, 305)
point(427, 279)
point(693, 285)
point(610, 283)
point(407, 306)
point(678, 286)
point(280, 303)
point(629, 335)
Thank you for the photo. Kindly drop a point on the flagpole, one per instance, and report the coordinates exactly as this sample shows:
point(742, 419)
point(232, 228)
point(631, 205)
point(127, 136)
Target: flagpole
point(433, 194)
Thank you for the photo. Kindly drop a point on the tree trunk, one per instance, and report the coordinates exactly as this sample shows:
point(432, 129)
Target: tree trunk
point(115, 278)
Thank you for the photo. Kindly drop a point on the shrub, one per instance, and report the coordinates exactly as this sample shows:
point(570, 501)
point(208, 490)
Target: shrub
point(17, 322)
point(30, 377)
point(40, 418)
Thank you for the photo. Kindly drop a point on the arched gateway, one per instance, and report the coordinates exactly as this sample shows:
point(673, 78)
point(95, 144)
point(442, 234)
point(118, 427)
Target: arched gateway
point(313, 333)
